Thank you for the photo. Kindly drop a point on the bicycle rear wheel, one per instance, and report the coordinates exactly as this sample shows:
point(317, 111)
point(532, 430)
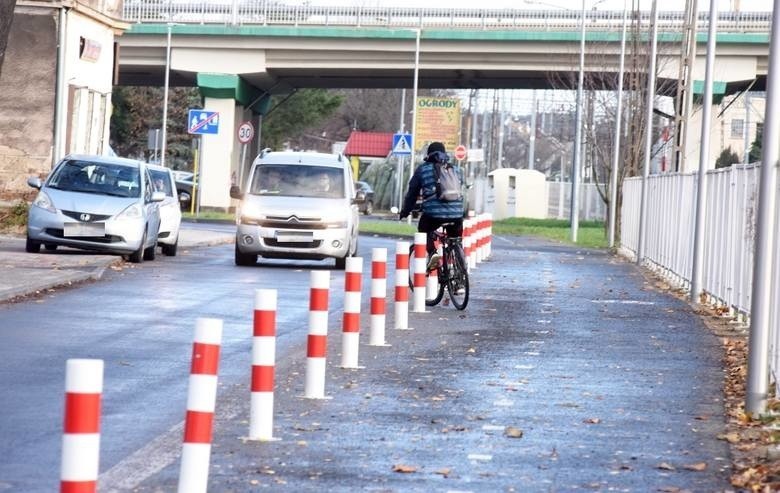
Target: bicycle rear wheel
point(457, 277)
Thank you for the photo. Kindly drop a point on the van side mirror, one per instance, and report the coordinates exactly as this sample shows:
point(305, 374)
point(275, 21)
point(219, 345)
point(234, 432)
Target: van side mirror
point(360, 196)
point(235, 192)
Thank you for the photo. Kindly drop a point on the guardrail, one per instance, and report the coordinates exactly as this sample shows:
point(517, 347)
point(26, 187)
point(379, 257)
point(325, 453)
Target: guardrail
point(270, 12)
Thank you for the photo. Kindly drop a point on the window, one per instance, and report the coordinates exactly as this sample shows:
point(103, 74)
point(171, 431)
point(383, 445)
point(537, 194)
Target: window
point(737, 128)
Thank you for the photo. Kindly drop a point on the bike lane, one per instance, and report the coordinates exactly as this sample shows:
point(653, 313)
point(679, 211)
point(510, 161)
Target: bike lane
point(567, 372)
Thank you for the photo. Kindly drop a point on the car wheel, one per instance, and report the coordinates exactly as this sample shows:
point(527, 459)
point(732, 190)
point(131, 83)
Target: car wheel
point(32, 246)
point(137, 256)
point(369, 208)
point(341, 263)
point(244, 258)
point(50, 247)
point(170, 250)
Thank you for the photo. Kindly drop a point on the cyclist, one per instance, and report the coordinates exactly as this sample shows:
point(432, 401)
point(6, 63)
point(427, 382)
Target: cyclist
point(435, 212)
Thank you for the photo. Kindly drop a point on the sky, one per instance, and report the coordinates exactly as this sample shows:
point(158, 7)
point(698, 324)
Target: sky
point(723, 5)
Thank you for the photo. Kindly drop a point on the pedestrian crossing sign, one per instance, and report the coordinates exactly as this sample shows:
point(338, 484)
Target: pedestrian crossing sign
point(402, 144)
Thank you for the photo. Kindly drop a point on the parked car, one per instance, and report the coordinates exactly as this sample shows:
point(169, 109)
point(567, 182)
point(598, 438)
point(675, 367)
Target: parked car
point(365, 200)
point(297, 205)
point(184, 186)
point(100, 203)
point(170, 209)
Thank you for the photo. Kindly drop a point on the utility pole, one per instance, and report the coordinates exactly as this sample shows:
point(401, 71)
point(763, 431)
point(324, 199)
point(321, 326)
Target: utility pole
point(684, 93)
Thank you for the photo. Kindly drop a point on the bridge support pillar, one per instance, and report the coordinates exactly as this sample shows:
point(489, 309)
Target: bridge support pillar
point(221, 153)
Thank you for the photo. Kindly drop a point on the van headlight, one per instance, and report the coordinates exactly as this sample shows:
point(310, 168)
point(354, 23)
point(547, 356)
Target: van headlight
point(44, 202)
point(336, 224)
point(250, 214)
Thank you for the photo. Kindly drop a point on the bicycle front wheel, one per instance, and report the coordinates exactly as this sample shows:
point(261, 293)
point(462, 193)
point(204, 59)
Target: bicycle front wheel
point(457, 278)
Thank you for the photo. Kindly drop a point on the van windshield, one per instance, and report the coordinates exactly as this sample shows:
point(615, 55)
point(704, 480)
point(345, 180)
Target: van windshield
point(295, 180)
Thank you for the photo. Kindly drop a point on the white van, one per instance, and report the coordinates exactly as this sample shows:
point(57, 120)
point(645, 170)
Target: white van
point(297, 205)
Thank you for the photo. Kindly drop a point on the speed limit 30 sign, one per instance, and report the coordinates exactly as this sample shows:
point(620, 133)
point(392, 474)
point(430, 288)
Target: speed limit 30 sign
point(245, 132)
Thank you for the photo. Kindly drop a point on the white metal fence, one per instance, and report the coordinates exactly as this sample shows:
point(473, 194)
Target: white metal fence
point(728, 236)
point(271, 12)
point(592, 207)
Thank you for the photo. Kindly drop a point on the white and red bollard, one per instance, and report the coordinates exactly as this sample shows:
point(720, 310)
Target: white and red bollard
point(318, 335)
point(378, 296)
point(488, 234)
point(468, 243)
point(81, 437)
point(350, 327)
point(432, 281)
point(402, 285)
point(261, 408)
point(419, 265)
point(201, 401)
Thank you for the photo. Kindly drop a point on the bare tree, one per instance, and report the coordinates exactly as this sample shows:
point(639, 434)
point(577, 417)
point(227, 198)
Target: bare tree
point(6, 16)
point(600, 109)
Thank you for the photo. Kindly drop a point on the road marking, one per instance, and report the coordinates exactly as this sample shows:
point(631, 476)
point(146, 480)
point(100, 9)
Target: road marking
point(159, 453)
point(624, 302)
point(481, 457)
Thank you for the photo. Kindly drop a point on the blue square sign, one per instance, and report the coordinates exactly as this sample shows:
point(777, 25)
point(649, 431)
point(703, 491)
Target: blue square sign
point(402, 143)
point(200, 122)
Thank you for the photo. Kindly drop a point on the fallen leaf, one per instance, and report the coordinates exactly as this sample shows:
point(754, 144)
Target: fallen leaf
point(699, 466)
point(444, 471)
point(665, 467)
point(512, 432)
point(729, 437)
point(592, 421)
point(404, 468)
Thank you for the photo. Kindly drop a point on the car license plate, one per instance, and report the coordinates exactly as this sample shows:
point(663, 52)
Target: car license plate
point(293, 236)
point(84, 229)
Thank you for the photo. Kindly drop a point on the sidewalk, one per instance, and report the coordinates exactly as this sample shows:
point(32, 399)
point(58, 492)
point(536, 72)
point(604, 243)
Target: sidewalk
point(567, 372)
point(23, 273)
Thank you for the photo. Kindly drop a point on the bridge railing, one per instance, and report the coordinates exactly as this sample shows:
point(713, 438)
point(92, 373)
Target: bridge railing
point(266, 12)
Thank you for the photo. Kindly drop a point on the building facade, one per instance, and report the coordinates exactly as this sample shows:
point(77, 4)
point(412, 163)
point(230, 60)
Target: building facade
point(55, 85)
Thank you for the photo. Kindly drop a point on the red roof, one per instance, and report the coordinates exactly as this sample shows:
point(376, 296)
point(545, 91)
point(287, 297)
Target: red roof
point(369, 144)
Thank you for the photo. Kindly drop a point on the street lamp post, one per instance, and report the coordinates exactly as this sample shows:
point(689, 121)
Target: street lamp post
point(574, 212)
point(640, 255)
point(164, 145)
point(414, 102)
point(618, 120)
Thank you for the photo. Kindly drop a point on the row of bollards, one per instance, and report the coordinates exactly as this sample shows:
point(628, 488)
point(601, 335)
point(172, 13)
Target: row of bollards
point(84, 377)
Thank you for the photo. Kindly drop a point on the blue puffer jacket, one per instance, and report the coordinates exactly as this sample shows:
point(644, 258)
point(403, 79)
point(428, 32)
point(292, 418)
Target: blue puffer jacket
point(424, 182)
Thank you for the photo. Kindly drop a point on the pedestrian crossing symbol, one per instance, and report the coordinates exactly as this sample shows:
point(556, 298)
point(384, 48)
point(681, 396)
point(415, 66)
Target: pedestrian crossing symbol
point(402, 144)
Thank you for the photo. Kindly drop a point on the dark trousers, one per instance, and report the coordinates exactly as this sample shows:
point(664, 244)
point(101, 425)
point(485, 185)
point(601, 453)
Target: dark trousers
point(429, 224)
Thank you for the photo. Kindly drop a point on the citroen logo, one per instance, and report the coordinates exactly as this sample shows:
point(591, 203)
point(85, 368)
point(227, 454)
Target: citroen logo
point(85, 217)
point(293, 219)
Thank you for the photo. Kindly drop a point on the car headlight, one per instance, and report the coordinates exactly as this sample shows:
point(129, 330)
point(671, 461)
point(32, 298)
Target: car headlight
point(132, 212)
point(44, 202)
point(250, 214)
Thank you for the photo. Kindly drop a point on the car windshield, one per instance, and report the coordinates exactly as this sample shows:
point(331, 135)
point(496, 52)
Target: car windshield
point(298, 181)
point(97, 177)
point(161, 182)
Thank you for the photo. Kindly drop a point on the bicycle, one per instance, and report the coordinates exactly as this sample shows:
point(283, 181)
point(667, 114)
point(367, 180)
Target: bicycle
point(451, 270)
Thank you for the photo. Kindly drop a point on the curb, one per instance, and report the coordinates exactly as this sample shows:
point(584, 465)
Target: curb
point(63, 279)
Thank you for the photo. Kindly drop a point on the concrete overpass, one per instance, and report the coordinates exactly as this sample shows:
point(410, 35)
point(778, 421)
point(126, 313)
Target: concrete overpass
point(239, 56)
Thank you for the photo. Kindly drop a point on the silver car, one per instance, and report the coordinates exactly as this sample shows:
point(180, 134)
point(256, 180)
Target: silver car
point(170, 209)
point(100, 203)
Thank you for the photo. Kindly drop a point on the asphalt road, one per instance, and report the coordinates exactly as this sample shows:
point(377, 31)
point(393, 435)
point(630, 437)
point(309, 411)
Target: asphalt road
point(614, 386)
point(140, 320)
